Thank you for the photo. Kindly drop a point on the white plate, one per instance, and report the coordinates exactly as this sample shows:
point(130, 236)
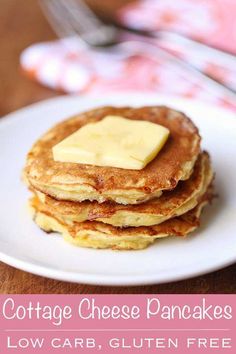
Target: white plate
point(24, 246)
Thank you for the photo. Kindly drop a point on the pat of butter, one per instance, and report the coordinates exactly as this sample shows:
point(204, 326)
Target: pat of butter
point(114, 141)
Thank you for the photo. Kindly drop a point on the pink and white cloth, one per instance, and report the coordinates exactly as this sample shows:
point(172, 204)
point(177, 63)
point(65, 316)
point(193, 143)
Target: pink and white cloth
point(71, 67)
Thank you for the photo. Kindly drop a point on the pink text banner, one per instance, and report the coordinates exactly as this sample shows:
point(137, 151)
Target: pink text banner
point(117, 324)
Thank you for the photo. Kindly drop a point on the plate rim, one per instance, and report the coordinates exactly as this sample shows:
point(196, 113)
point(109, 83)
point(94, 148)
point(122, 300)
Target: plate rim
point(149, 95)
point(105, 280)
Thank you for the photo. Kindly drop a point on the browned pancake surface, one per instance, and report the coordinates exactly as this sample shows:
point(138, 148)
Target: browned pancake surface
point(164, 172)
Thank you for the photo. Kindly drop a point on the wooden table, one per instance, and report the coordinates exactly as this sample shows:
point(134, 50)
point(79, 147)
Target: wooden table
point(21, 23)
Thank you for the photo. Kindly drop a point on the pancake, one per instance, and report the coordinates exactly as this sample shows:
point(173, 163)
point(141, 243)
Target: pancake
point(172, 203)
point(79, 182)
point(100, 235)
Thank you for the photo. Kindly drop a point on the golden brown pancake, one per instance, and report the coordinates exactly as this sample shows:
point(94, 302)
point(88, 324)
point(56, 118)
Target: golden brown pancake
point(171, 203)
point(79, 182)
point(100, 235)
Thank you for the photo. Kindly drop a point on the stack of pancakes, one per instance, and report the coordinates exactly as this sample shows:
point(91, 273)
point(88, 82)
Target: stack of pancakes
point(107, 207)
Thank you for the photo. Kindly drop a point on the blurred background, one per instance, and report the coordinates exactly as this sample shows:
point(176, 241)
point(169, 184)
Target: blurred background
point(183, 47)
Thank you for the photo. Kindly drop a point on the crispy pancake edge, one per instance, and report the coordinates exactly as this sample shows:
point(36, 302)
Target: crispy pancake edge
point(183, 198)
point(99, 235)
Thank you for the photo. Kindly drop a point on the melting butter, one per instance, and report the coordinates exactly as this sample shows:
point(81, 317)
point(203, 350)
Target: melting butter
point(114, 141)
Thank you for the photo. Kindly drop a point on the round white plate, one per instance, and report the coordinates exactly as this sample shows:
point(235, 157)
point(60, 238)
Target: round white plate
point(24, 246)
